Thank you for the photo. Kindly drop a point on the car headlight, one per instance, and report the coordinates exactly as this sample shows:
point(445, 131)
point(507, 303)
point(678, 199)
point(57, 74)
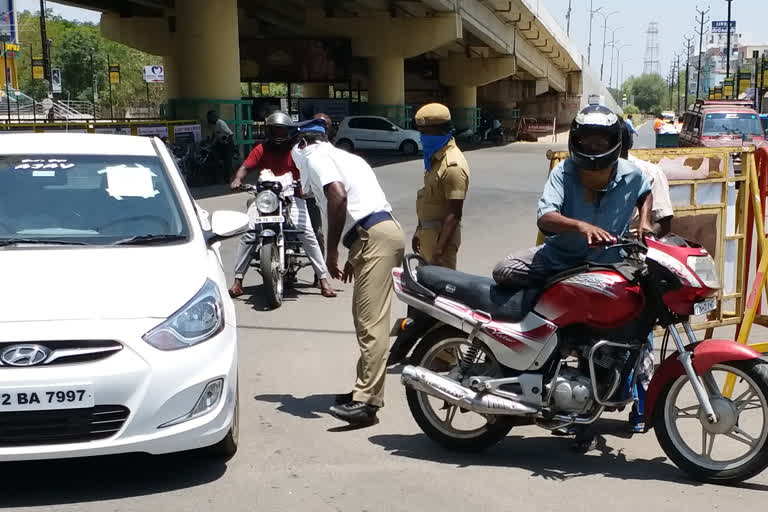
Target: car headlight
point(266, 201)
point(704, 268)
point(197, 321)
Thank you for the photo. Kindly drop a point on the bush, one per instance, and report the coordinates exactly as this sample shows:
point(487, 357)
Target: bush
point(631, 109)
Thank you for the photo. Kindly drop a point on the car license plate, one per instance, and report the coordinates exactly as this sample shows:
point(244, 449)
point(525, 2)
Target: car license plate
point(43, 398)
point(275, 219)
point(705, 306)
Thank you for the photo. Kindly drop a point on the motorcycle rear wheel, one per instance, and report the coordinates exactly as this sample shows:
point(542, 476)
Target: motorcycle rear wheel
point(271, 275)
point(739, 417)
point(495, 428)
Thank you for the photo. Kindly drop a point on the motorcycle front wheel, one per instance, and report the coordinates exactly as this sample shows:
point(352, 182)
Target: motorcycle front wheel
point(733, 449)
point(271, 275)
point(447, 424)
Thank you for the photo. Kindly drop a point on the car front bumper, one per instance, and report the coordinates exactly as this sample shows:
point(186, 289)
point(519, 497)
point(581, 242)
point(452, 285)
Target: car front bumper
point(156, 387)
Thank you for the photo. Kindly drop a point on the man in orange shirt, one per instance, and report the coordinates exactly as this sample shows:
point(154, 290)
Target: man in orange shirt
point(658, 123)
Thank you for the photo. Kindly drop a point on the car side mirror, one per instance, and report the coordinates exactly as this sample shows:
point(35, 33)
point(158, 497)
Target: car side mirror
point(394, 128)
point(226, 224)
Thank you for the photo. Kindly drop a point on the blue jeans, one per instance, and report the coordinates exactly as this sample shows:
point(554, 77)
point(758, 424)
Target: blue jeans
point(638, 409)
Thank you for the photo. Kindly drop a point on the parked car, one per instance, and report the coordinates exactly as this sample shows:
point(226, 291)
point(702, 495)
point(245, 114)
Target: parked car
point(117, 333)
point(372, 132)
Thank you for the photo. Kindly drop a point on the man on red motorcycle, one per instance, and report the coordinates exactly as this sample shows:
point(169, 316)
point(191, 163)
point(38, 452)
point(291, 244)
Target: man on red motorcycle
point(588, 200)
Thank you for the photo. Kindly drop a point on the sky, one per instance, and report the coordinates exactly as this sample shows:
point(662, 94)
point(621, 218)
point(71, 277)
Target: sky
point(676, 18)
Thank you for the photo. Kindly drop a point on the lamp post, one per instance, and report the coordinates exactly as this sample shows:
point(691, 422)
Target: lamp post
point(605, 33)
point(592, 13)
point(621, 78)
point(728, 45)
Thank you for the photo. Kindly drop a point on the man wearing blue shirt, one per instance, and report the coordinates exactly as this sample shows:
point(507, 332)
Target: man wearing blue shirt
point(631, 125)
point(588, 199)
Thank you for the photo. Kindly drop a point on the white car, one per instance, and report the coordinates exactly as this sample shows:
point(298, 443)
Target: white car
point(372, 132)
point(116, 330)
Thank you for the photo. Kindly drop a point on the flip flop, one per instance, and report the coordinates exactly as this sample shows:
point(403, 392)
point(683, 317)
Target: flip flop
point(328, 293)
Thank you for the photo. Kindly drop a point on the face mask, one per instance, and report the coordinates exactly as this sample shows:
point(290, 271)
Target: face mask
point(431, 144)
point(596, 181)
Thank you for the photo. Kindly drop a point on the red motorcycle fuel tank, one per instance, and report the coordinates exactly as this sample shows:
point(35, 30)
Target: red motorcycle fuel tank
point(603, 299)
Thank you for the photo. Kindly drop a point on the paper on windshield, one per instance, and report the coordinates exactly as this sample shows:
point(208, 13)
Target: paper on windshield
point(124, 181)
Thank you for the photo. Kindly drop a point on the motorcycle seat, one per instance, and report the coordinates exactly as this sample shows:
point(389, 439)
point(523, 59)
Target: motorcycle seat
point(478, 292)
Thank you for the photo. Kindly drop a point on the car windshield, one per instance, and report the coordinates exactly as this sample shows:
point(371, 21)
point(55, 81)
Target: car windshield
point(87, 199)
point(732, 124)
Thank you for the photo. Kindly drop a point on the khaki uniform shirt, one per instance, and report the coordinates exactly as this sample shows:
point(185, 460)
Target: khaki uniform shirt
point(447, 179)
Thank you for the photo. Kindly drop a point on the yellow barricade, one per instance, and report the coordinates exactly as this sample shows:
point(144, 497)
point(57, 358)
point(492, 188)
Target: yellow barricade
point(147, 128)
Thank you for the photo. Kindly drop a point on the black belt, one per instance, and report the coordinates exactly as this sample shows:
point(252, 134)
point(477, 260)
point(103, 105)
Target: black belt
point(365, 223)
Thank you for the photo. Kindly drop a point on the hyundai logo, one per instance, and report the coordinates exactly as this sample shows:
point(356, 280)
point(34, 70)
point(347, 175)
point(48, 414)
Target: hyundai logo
point(24, 355)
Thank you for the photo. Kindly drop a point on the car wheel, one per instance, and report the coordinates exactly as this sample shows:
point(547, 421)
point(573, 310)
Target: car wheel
point(227, 447)
point(346, 145)
point(409, 147)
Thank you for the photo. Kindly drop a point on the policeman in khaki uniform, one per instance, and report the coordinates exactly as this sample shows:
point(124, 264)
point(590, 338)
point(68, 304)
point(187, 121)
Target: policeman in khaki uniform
point(440, 202)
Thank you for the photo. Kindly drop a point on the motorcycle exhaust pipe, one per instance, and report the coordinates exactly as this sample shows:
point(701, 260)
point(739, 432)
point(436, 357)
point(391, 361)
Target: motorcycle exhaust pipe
point(421, 379)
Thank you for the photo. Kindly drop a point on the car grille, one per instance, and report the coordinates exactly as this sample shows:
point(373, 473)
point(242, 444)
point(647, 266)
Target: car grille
point(68, 351)
point(35, 428)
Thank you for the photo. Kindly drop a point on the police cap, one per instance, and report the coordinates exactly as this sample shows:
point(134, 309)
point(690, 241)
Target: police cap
point(432, 114)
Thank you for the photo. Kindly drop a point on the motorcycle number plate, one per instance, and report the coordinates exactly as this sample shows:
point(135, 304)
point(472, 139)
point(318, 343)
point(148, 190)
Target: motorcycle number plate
point(705, 306)
point(274, 219)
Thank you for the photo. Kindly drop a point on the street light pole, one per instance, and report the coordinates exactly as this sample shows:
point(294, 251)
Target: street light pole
point(568, 19)
point(5, 70)
point(688, 42)
point(612, 44)
point(701, 41)
point(605, 33)
point(592, 13)
point(618, 49)
point(93, 85)
point(728, 44)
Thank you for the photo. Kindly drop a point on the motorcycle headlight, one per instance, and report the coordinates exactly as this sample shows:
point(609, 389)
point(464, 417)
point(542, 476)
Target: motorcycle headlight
point(266, 201)
point(197, 321)
point(704, 268)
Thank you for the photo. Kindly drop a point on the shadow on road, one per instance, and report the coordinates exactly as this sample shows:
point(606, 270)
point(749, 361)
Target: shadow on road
point(307, 407)
point(547, 458)
point(45, 483)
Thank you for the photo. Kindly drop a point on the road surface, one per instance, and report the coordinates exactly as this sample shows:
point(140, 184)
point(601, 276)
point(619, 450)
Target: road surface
point(295, 457)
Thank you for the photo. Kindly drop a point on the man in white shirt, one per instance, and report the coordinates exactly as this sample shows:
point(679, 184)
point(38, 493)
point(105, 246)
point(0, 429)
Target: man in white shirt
point(223, 144)
point(359, 215)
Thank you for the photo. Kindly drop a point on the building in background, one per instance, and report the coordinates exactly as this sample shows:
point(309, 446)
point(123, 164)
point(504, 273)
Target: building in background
point(10, 43)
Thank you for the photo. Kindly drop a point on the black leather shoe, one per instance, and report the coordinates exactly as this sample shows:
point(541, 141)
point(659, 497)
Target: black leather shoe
point(354, 412)
point(343, 398)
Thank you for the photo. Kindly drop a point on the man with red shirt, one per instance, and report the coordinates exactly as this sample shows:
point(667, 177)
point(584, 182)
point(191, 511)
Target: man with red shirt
point(275, 155)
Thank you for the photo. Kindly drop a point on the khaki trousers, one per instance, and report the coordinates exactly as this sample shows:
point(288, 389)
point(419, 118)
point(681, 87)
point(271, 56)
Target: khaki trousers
point(428, 239)
point(373, 256)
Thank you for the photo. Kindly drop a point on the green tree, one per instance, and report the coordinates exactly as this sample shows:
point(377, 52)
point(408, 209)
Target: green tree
point(631, 109)
point(650, 92)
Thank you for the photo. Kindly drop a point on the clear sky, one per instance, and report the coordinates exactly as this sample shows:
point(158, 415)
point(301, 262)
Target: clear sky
point(676, 18)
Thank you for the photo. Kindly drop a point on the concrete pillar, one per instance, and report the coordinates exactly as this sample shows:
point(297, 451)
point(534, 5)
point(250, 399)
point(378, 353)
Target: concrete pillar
point(208, 49)
point(314, 90)
point(171, 76)
point(386, 81)
point(465, 97)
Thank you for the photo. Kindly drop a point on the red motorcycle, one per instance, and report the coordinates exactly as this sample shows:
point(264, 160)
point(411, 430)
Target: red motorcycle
point(562, 354)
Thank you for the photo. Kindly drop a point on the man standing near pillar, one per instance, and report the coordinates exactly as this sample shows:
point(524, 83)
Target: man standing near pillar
point(439, 204)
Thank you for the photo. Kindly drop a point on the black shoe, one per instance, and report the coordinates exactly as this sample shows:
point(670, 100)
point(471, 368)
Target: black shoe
point(343, 398)
point(354, 412)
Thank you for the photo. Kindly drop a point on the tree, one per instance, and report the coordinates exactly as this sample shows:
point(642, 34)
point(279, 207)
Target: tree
point(631, 109)
point(650, 92)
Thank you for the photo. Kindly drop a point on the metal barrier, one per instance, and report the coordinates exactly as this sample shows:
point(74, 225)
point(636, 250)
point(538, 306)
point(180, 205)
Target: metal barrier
point(170, 129)
point(710, 203)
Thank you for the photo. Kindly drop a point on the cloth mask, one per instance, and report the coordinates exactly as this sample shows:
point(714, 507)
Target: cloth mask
point(431, 144)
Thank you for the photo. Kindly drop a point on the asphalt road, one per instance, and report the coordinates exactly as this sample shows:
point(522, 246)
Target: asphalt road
point(293, 456)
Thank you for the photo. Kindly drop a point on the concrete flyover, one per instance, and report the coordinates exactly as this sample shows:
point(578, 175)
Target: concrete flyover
point(504, 54)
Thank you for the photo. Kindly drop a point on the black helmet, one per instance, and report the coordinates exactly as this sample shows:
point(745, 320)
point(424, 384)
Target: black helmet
point(280, 130)
point(595, 138)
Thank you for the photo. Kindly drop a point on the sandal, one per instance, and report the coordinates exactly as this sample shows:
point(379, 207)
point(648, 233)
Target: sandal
point(328, 293)
point(234, 294)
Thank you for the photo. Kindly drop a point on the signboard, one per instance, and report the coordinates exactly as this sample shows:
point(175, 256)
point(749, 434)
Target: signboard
point(114, 73)
point(264, 90)
point(154, 74)
point(113, 130)
point(745, 80)
point(187, 133)
point(298, 60)
point(8, 19)
point(728, 88)
point(721, 27)
point(38, 68)
point(11, 49)
point(718, 93)
point(152, 131)
point(55, 80)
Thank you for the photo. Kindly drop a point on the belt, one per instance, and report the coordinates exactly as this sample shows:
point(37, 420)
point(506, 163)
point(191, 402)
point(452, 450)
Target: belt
point(365, 223)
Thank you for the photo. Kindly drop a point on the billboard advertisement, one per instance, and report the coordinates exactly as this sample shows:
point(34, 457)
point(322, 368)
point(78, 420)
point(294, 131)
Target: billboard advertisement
point(721, 27)
point(298, 60)
point(8, 19)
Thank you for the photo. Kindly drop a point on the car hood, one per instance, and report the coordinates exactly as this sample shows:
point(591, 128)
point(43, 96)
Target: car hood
point(74, 283)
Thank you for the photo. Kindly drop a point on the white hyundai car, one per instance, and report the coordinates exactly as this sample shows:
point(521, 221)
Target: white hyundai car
point(373, 132)
point(116, 330)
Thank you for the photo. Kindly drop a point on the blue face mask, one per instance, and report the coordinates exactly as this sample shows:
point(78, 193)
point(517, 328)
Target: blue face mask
point(431, 144)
